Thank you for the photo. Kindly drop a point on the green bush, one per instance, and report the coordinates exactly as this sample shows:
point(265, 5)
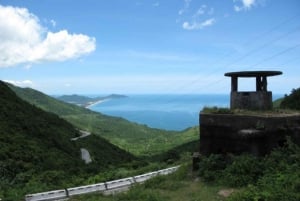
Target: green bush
point(291, 101)
point(211, 167)
point(244, 170)
point(280, 180)
point(273, 177)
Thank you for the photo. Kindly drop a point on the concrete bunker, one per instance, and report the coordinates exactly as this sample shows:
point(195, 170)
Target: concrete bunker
point(254, 129)
point(261, 99)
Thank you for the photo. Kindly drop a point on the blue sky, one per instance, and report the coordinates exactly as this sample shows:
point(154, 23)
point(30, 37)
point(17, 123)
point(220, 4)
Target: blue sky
point(148, 46)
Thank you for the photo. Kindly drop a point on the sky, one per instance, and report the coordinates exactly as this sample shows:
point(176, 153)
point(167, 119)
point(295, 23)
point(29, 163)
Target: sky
point(148, 46)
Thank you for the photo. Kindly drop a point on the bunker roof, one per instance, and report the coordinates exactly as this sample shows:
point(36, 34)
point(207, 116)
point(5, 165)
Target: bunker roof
point(253, 73)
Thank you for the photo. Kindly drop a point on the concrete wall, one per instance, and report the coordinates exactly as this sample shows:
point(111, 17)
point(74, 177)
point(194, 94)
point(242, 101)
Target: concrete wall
point(234, 133)
point(258, 100)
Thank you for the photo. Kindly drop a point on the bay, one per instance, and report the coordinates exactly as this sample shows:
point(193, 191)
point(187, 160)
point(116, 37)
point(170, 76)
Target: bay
point(169, 112)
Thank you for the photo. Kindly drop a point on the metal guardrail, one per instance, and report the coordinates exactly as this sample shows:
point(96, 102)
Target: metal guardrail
point(100, 187)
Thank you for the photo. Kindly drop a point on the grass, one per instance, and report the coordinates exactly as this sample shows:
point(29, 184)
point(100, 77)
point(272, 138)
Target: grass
point(137, 139)
point(273, 177)
point(273, 112)
point(182, 185)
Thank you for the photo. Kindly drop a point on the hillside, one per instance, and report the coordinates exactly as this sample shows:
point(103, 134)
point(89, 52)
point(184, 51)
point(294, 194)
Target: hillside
point(47, 103)
point(135, 138)
point(36, 153)
point(77, 99)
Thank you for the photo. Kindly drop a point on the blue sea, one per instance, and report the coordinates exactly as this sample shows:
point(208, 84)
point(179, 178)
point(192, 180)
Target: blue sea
point(169, 112)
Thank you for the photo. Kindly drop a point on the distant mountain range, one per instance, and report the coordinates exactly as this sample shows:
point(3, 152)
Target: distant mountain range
point(85, 101)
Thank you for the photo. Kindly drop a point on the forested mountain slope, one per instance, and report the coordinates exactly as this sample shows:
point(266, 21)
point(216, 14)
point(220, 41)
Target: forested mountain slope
point(135, 138)
point(36, 151)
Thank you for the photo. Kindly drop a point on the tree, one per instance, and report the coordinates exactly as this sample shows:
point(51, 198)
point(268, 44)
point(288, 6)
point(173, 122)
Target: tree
point(291, 101)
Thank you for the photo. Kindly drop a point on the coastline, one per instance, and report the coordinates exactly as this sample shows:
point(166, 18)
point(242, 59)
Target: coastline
point(96, 103)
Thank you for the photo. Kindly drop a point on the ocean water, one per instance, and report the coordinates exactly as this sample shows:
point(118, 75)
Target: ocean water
point(169, 112)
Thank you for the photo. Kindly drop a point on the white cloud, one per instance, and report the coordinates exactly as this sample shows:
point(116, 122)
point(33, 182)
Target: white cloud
point(198, 25)
point(197, 20)
point(24, 40)
point(200, 11)
point(204, 10)
point(245, 5)
point(185, 7)
point(61, 46)
point(24, 83)
point(248, 3)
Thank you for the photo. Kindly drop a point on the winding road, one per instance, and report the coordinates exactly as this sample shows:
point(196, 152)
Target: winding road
point(85, 154)
point(83, 135)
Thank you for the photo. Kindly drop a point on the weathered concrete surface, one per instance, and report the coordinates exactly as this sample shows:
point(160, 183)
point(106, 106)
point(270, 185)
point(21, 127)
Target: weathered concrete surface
point(260, 100)
point(238, 133)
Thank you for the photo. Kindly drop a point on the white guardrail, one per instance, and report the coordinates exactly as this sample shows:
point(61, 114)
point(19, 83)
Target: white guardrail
point(100, 187)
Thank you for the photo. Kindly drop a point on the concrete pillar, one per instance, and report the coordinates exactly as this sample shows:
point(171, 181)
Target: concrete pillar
point(258, 83)
point(234, 83)
point(264, 83)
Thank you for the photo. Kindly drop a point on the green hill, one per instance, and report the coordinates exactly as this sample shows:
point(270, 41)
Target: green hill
point(47, 103)
point(36, 151)
point(135, 138)
point(77, 99)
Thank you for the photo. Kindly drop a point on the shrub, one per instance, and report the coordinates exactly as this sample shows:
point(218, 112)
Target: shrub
point(217, 110)
point(210, 168)
point(291, 101)
point(162, 182)
point(139, 193)
point(280, 180)
point(244, 170)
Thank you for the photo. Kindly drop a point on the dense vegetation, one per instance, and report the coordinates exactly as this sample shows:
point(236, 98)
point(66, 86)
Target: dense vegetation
point(291, 101)
point(275, 177)
point(135, 138)
point(180, 186)
point(36, 153)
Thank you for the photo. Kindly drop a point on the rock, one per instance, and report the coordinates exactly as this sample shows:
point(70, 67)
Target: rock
point(85, 155)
